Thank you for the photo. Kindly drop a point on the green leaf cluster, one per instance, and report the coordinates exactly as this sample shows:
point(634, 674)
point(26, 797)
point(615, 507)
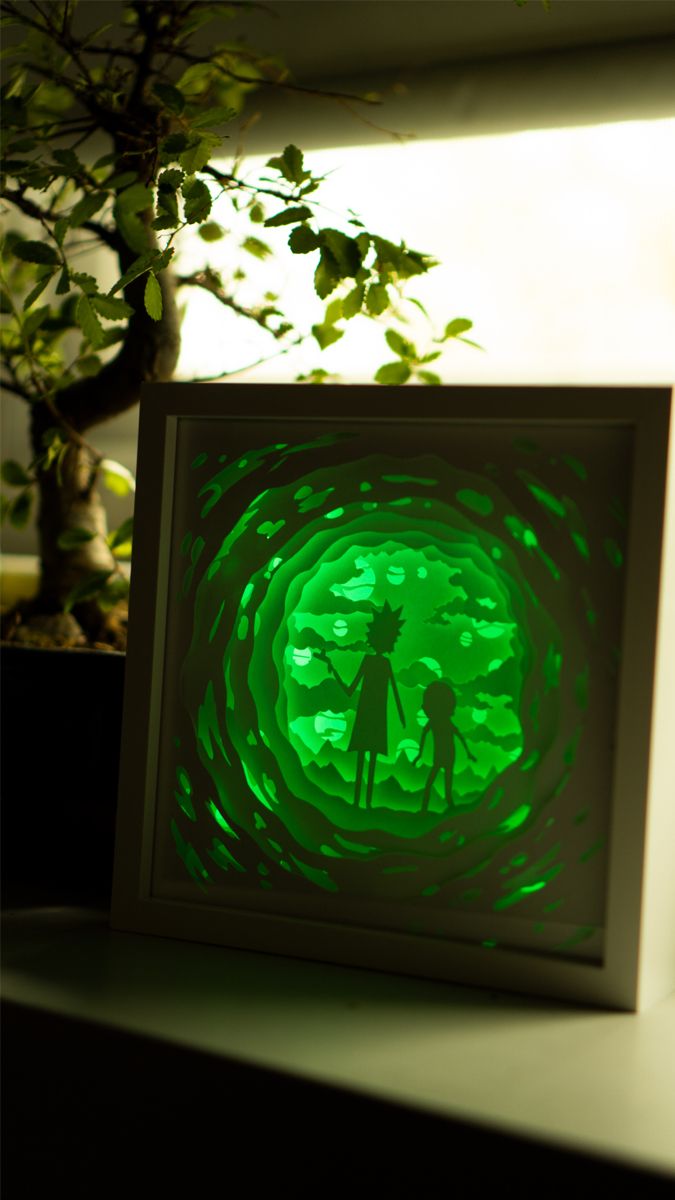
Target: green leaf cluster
point(409, 364)
point(168, 112)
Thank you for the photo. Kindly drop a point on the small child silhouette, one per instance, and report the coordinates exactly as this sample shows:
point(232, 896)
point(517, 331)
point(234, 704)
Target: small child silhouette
point(438, 703)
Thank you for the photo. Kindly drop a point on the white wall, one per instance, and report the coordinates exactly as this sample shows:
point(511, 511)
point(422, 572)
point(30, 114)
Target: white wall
point(558, 243)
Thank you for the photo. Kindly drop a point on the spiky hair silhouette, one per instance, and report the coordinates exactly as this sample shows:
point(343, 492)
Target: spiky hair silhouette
point(385, 627)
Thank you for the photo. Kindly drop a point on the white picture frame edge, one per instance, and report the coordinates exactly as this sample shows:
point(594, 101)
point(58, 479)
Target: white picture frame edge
point(637, 968)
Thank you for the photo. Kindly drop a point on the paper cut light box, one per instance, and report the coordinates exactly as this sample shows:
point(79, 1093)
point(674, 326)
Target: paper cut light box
point(398, 680)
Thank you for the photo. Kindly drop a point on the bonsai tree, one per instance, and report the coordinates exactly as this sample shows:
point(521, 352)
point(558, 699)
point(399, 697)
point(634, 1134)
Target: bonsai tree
point(112, 149)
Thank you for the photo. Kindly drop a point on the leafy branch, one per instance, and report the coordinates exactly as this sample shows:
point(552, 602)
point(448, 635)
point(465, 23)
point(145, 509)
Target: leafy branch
point(81, 334)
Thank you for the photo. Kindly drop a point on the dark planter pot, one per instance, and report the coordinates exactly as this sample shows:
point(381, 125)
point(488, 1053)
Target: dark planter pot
point(61, 728)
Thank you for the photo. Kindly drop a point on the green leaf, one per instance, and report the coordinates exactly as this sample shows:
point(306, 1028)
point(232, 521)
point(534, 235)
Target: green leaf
point(393, 373)
point(196, 156)
point(429, 377)
point(167, 200)
point(418, 304)
point(254, 246)
point(459, 325)
point(34, 320)
point(89, 365)
point(256, 213)
point(112, 336)
point(398, 261)
point(132, 229)
point(61, 228)
point(290, 164)
point(121, 535)
point(170, 180)
point(198, 73)
point(23, 144)
point(172, 146)
point(10, 240)
point(345, 251)
point(36, 252)
point(431, 357)
point(211, 231)
point(326, 334)
point(333, 312)
point(134, 199)
point(5, 302)
point(68, 159)
point(113, 592)
point(88, 589)
point(211, 117)
point(152, 298)
point(19, 513)
point(377, 299)
point(120, 180)
point(86, 208)
point(89, 322)
point(117, 479)
point(303, 240)
point(85, 282)
point(197, 199)
point(400, 345)
point(16, 85)
point(36, 292)
point(317, 375)
point(112, 307)
point(165, 222)
point(51, 435)
point(74, 537)
point(95, 34)
point(13, 473)
point(327, 274)
point(157, 259)
point(289, 216)
point(353, 302)
point(20, 168)
point(170, 96)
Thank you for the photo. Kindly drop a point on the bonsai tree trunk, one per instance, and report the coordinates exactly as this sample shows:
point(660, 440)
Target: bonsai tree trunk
point(68, 498)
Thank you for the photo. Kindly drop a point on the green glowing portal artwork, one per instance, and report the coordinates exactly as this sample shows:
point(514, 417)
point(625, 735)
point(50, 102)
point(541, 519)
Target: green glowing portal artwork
point(397, 654)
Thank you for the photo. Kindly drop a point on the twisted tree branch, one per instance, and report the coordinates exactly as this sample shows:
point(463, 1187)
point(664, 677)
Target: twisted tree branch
point(108, 236)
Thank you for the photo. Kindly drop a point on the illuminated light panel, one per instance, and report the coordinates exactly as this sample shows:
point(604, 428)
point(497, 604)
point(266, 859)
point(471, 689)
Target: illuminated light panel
point(386, 696)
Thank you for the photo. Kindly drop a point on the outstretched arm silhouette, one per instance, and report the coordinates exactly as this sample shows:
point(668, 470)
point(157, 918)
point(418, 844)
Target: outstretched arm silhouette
point(349, 688)
point(469, 753)
point(423, 739)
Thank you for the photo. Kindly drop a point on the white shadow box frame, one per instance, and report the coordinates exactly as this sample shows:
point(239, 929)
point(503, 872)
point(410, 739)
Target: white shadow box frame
point(400, 682)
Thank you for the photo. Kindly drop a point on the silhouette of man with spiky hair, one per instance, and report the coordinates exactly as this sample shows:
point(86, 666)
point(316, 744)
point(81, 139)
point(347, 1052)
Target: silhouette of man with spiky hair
point(375, 679)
